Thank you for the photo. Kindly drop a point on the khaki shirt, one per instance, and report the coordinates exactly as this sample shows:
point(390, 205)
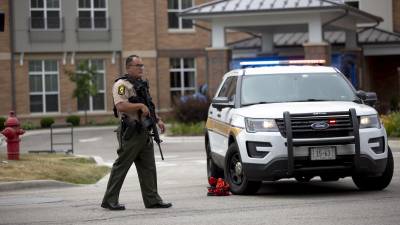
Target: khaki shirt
point(122, 91)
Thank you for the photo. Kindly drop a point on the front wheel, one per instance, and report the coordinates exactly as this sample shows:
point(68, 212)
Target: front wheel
point(235, 176)
point(376, 183)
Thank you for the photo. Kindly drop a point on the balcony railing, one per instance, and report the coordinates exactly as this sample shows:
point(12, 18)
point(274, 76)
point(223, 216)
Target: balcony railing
point(41, 23)
point(93, 23)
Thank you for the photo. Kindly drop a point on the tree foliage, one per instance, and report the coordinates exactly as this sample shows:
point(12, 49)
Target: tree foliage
point(83, 78)
point(85, 85)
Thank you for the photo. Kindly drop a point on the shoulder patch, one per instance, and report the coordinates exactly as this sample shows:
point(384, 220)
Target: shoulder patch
point(121, 89)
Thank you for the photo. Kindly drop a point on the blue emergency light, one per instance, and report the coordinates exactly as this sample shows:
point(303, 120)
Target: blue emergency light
point(282, 62)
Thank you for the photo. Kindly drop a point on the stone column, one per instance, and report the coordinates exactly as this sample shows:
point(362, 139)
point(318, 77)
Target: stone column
point(217, 64)
point(267, 43)
point(318, 51)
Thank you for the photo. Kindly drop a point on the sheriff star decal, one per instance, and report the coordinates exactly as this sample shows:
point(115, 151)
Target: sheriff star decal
point(121, 90)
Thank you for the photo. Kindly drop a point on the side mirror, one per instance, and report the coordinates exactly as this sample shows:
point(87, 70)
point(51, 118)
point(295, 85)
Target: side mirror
point(221, 102)
point(369, 98)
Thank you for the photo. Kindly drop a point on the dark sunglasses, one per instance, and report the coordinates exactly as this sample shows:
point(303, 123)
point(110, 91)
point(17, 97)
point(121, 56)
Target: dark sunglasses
point(139, 65)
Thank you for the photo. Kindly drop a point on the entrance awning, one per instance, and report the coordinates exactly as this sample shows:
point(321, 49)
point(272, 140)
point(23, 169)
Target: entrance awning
point(231, 8)
point(270, 17)
point(366, 36)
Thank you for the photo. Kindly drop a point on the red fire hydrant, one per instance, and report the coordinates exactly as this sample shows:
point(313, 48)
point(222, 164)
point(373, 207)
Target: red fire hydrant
point(12, 133)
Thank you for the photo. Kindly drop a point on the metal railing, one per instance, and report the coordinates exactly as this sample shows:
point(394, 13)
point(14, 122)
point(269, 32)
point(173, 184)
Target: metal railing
point(63, 143)
point(65, 131)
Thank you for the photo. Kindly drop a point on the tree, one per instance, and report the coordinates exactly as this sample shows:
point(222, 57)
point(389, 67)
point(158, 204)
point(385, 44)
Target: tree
point(83, 77)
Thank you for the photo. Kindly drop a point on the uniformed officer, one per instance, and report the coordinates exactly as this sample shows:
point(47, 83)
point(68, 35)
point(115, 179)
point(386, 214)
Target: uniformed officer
point(135, 145)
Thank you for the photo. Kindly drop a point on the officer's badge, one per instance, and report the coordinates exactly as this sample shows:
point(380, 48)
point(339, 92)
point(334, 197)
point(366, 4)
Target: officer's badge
point(121, 90)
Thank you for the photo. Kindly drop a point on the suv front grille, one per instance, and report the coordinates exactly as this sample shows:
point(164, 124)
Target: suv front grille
point(301, 125)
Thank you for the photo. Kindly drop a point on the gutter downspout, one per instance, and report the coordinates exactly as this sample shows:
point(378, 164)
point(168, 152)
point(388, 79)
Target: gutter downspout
point(156, 48)
point(12, 49)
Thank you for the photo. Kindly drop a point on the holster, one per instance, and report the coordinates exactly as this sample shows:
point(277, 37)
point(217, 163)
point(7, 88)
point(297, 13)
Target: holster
point(128, 128)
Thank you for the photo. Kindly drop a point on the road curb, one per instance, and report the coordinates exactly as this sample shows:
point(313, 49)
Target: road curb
point(31, 184)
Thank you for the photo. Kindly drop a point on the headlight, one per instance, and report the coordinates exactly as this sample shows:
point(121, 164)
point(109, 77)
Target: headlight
point(370, 122)
point(261, 125)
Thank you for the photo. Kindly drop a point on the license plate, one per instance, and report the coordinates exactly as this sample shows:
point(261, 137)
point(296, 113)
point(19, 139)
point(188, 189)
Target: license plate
point(323, 153)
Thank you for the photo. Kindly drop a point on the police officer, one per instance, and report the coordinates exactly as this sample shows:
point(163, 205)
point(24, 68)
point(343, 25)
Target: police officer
point(135, 145)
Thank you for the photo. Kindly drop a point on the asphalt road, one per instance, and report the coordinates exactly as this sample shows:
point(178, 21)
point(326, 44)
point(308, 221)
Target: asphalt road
point(182, 180)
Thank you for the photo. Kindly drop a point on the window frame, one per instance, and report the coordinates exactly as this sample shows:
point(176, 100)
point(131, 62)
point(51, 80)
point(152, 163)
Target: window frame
point(45, 11)
point(103, 71)
point(92, 11)
point(43, 93)
point(182, 71)
point(180, 26)
point(229, 87)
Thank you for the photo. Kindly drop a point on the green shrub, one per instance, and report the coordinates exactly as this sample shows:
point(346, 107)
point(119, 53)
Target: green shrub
point(187, 129)
point(28, 125)
point(392, 124)
point(74, 119)
point(2, 120)
point(46, 122)
point(192, 110)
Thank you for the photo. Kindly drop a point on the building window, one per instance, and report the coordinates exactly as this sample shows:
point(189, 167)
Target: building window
point(45, 14)
point(174, 21)
point(43, 86)
point(182, 77)
point(92, 14)
point(97, 102)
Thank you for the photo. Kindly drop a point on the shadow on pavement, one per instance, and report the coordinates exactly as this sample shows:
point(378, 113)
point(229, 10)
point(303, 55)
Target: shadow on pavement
point(314, 188)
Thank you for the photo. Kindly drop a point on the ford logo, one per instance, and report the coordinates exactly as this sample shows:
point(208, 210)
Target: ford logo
point(319, 126)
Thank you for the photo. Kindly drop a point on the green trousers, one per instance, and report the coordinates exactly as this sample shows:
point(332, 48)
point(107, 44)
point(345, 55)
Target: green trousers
point(137, 149)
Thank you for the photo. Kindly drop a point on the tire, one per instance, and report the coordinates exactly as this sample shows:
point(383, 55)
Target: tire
point(303, 178)
point(376, 183)
point(212, 169)
point(235, 176)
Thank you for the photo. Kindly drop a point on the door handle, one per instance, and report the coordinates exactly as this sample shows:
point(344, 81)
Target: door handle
point(218, 115)
point(210, 113)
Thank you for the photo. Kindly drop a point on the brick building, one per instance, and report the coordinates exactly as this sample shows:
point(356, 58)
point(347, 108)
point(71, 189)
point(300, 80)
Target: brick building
point(49, 37)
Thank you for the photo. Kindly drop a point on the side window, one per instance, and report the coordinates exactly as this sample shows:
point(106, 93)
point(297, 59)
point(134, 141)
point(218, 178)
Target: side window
point(231, 92)
point(229, 88)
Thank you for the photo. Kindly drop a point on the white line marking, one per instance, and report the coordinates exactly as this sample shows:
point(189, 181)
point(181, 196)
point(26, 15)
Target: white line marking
point(165, 164)
point(200, 161)
point(90, 139)
point(157, 156)
point(396, 154)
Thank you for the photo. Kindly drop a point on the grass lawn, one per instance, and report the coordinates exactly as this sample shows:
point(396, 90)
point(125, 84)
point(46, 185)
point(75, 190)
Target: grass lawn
point(59, 167)
point(186, 129)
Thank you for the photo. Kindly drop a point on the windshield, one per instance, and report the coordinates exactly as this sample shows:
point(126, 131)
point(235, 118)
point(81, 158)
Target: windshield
point(295, 87)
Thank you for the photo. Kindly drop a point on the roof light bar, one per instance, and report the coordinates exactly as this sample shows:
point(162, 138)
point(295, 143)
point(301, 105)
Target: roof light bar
point(283, 62)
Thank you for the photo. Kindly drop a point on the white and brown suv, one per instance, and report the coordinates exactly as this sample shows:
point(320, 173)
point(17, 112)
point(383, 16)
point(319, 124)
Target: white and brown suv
point(302, 121)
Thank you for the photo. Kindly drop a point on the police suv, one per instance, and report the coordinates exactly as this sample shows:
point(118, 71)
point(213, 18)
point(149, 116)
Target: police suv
point(294, 121)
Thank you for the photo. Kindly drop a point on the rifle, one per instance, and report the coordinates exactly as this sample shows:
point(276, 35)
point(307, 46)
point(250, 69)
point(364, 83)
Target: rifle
point(143, 96)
